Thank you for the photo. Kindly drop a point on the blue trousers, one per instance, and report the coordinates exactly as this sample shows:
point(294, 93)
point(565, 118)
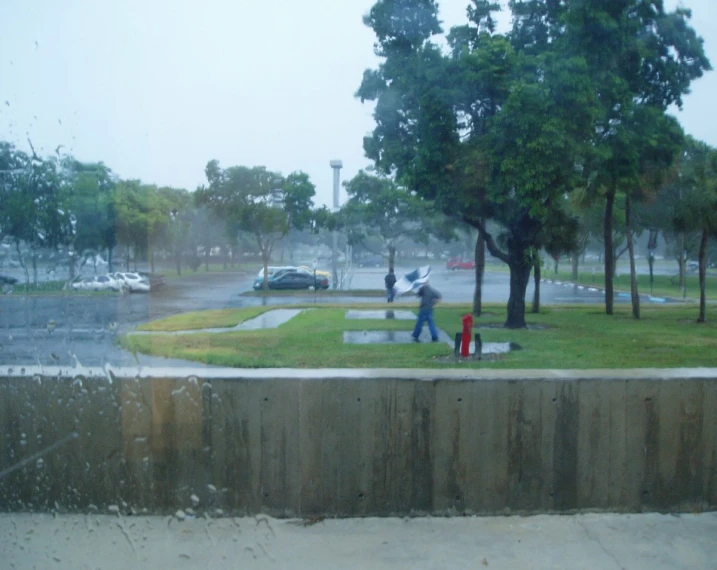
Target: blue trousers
point(389, 294)
point(425, 315)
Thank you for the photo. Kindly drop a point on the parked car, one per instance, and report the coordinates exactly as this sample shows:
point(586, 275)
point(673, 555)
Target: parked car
point(98, 283)
point(458, 263)
point(372, 261)
point(155, 279)
point(293, 278)
point(132, 281)
point(321, 272)
point(273, 269)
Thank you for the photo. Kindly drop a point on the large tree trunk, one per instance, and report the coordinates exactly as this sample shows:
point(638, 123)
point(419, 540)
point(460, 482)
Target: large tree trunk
point(609, 254)
point(22, 263)
point(634, 294)
point(519, 263)
point(391, 257)
point(265, 255)
point(703, 276)
point(575, 258)
point(519, 276)
point(34, 266)
point(536, 282)
point(651, 247)
point(683, 266)
point(480, 271)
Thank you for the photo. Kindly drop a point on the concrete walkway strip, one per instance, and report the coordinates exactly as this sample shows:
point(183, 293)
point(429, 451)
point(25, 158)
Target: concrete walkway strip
point(269, 320)
point(201, 371)
point(585, 541)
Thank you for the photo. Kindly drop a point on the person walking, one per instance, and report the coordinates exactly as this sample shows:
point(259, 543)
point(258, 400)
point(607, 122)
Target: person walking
point(429, 297)
point(390, 281)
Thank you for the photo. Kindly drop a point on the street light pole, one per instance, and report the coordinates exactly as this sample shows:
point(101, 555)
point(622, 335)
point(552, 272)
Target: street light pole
point(336, 165)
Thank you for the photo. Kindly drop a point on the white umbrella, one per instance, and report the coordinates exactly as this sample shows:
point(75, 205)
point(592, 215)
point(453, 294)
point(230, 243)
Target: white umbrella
point(412, 281)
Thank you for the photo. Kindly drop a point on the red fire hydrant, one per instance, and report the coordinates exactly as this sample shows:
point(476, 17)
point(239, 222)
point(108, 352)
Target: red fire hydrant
point(466, 335)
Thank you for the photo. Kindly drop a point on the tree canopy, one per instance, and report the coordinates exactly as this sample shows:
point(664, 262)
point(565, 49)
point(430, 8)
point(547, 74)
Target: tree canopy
point(258, 201)
point(505, 126)
point(378, 206)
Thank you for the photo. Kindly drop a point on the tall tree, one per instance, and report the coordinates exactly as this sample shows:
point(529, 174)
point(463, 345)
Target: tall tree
point(488, 132)
point(33, 210)
point(169, 223)
point(697, 210)
point(639, 57)
point(258, 201)
point(132, 204)
point(90, 187)
point(655, 140)
point(378, 206)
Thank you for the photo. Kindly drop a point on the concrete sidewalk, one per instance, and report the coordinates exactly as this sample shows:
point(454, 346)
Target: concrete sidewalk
point(586, 541)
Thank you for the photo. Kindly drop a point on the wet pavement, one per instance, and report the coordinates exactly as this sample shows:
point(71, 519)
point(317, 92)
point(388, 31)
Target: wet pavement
point(406, 337)
point(390, 337)
point(399, 315)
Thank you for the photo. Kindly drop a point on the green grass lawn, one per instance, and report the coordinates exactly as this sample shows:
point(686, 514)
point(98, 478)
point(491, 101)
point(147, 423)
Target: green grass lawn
point(662, 286)
point(50, 288)
point(558, 337)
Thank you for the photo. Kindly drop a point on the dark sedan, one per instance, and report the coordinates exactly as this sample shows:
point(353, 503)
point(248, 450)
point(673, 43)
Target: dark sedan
point(294, 279)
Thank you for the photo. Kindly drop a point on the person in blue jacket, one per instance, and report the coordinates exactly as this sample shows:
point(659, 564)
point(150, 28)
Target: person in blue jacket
point(429, 297)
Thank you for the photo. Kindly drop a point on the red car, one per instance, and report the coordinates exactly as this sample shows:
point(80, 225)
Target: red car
point(460, 264)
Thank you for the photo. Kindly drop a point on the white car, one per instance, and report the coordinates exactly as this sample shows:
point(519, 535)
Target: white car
point(132, 281)
point(98, 283)
point(272, 269)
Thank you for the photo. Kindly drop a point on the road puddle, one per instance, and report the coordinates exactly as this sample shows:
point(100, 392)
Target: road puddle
point(399, 315)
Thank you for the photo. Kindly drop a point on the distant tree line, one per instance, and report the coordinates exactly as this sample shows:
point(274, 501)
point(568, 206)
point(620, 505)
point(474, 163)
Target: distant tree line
point(83, 210)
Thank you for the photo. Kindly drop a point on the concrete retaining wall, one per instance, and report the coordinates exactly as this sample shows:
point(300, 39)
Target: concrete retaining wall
point(352, 443)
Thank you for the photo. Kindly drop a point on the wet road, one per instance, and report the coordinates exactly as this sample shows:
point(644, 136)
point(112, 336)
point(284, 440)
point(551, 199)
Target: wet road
point(82, 328)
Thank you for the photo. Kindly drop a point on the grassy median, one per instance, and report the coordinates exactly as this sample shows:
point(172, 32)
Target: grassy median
point(558, 337)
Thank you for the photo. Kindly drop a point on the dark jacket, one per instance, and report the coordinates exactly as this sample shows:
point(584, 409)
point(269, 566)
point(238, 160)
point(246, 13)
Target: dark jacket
point(390, 280)
point(429, 296)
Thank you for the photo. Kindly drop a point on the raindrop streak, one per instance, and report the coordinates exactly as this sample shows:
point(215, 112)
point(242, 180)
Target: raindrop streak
point(39, 454)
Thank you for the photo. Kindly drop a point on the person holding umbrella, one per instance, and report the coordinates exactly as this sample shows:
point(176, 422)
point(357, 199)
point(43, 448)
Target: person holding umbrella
point(429, 297)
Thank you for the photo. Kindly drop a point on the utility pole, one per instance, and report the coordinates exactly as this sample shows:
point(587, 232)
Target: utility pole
point(336, 165)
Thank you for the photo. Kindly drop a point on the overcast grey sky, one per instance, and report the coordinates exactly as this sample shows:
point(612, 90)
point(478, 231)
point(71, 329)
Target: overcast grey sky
point(156, 88)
